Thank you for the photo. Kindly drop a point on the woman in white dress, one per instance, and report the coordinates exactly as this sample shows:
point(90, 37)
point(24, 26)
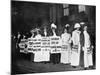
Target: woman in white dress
point(66, 48)
point(87, 48)
point(75, 53)
point(45, 47)
point(38, 54)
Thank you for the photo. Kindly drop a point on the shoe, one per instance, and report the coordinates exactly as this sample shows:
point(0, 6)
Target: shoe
point(91, 67)
point(74, 66)
point(86, 68)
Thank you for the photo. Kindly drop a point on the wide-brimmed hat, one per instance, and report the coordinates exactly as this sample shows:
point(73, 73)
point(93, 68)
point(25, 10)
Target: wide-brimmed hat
point(67, 25)
point(53, 26)
point(82, 23)
point(77, 25)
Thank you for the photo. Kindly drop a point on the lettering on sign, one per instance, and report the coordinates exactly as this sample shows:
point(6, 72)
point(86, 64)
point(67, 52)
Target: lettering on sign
point(34, 44)
point(45, 44)
point(23, 45)
point(55, 44)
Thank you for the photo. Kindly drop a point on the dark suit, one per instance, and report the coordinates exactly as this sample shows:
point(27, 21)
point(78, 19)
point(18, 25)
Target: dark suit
point(54, 57)
point(81, 52)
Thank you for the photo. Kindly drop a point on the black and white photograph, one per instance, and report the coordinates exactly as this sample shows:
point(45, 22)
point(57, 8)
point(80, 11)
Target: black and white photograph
point(52, 37)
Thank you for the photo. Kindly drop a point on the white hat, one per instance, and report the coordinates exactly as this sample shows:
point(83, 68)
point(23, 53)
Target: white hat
point(82, 23)
point(67, 25)
point(53, 26)
point(77, 25)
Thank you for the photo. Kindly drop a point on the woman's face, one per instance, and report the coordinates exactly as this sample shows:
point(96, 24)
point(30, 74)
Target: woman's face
point(78, 28)
point(45, 33)
point(85, 28)
point(65, 30)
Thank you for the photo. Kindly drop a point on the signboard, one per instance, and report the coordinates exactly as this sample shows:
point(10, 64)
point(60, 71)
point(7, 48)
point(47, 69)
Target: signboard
point(23, 45)
point(37, 45)
point(30, 45)
point(34, 45)
point(45, 44)
point(55, 44)
point(52, 44)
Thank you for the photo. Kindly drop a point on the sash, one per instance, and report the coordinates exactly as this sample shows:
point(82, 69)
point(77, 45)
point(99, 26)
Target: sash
point(64, 47)
point(75, 48)
point(89, 50)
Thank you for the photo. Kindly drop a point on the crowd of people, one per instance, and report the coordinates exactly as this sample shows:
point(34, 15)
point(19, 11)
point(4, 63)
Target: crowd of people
point(72, 46)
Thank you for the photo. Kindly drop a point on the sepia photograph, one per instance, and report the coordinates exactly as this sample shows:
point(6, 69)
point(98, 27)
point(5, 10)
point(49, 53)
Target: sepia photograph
point(52, 37)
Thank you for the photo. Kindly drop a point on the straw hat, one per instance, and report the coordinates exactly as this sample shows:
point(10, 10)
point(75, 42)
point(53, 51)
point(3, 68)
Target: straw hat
point(67, 25)
point(82, 23)
point(77, 25)
point(53, 26)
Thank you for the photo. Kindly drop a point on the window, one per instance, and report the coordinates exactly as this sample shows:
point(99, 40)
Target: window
point(81, 8)
point(66, 9)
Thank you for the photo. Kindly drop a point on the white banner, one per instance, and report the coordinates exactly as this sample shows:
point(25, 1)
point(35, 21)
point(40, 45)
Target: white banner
point(34, 45)
point(23, 45)
point(52, 44)
point(55, 44)
point(45, 44)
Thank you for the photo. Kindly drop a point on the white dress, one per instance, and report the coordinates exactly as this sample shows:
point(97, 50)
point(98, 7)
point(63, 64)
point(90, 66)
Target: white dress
point(88, 61)
point(75, 53)
point(38, 55)
point(66, 49)
point(45, 49)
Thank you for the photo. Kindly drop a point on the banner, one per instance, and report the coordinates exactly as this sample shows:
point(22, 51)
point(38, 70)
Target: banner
point(23, 45)
point(45, 44)
point(55, 44)
point(30, 44)
point(52, 44)
point(34, 45)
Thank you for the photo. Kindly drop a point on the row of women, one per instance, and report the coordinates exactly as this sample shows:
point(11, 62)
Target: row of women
point(80, 41)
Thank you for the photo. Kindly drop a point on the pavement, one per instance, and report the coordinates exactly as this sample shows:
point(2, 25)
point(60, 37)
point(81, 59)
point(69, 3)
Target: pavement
point(26, 66)
point(22, 64)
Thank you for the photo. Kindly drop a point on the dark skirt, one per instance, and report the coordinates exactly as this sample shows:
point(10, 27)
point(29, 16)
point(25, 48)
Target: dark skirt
point(55, 58)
